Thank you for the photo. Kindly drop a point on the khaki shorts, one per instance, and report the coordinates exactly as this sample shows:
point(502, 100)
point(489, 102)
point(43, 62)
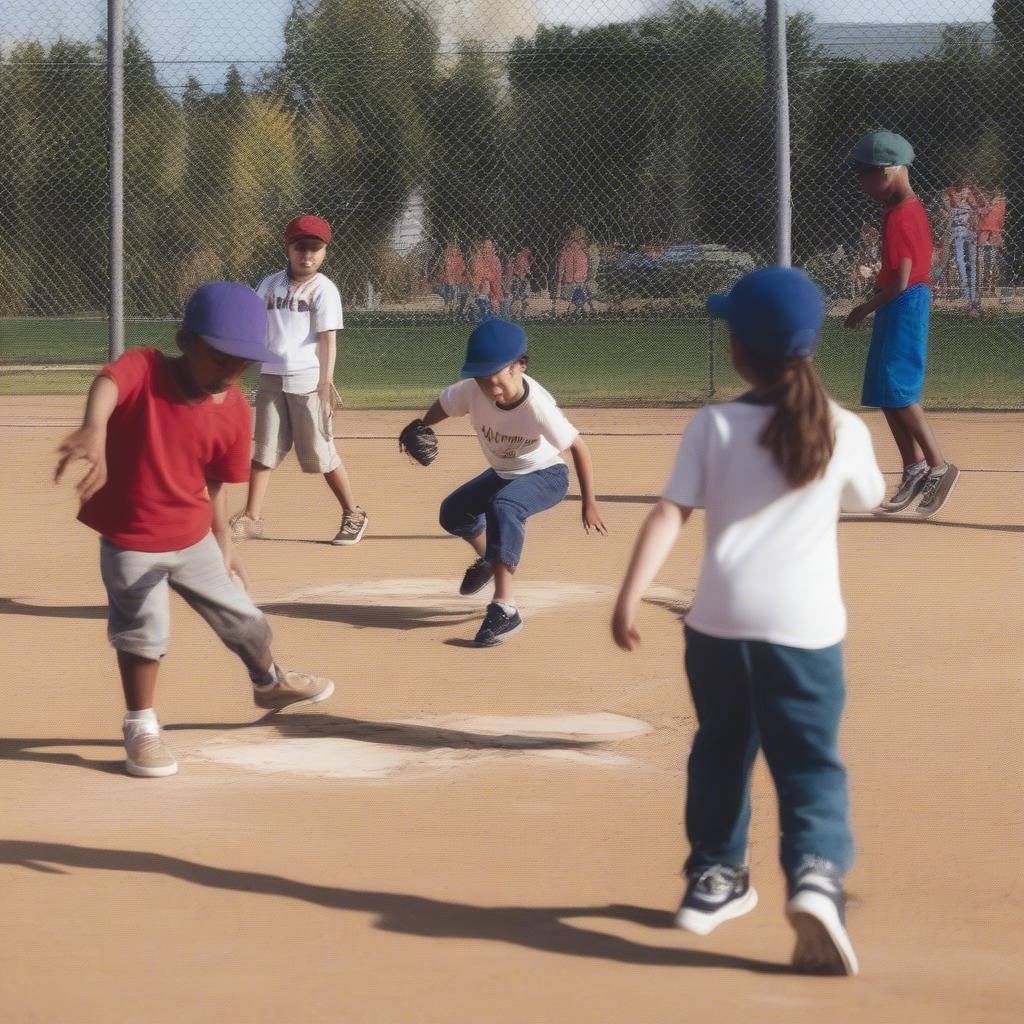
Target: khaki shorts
point(284, 420)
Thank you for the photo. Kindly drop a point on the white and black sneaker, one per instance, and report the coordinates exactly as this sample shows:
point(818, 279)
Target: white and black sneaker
point(817, 911)
point(715, 894)
point(498, 625)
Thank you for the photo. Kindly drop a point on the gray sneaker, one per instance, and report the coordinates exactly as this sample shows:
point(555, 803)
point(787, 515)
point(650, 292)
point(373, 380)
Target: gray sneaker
point(244, 527)
point(936, 491)
point(148, 757)
point(353, 526)
point(909, 488)
point(291, 690)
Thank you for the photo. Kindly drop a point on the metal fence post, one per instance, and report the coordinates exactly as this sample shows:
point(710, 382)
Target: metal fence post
point(778, 73)
point(115, 79)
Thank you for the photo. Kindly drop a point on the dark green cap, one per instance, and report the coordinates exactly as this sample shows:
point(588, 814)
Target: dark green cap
point(882, 149)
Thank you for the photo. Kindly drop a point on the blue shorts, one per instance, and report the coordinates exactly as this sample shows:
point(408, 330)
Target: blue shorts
point(894, 372)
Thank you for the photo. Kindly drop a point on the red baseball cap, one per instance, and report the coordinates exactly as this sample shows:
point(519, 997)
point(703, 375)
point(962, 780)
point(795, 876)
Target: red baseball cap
point(307, 226)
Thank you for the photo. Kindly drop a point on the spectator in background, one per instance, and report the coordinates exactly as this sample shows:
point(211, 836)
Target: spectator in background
point(451, 269)
point(962, 203)
point(518, 277)
point(485, 279)
point(573, 270)
point(991, 223)
point(593, 266)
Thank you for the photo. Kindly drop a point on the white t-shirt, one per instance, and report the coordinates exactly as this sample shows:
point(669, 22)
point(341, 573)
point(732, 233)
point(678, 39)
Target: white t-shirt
point(296, 314)
point(771, 565)
point(516, 441)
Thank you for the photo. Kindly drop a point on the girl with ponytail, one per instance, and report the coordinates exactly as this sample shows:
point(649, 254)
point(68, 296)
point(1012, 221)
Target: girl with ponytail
point(772, 470)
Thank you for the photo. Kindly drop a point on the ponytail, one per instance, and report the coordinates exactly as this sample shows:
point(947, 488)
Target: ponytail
point(801, 433)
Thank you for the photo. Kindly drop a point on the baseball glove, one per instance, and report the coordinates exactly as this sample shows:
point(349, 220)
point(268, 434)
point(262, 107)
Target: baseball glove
point(419, 442)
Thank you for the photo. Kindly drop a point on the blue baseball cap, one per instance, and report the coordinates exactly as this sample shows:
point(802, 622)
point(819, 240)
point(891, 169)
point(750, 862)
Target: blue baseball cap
point(777, 311)
point(492, 346)
point(231, 318)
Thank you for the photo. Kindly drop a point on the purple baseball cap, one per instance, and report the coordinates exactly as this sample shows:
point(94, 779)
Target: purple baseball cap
point(231, 318)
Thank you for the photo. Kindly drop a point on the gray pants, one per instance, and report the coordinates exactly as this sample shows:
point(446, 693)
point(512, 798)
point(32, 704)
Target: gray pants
point(139, 620)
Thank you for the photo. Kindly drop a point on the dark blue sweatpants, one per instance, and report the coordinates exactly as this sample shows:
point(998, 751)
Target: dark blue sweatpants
point(786, 701)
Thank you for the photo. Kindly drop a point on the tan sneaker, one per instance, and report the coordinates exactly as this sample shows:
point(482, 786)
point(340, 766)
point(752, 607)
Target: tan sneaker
point(148, 757)
point(244, 527)
point(353, 526)
point(291, 690)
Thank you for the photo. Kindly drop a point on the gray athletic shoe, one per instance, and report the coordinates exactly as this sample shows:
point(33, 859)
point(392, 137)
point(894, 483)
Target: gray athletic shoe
point(936, 491)
point(909, 488)
point(353, 526)
point(148, 757)
point(291, 690)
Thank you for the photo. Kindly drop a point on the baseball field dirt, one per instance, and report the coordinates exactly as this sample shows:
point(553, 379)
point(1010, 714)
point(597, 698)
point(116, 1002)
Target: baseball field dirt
point(491, 836)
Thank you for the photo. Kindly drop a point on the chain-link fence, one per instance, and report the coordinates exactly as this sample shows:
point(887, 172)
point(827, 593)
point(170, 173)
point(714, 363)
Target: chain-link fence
point(593, 169)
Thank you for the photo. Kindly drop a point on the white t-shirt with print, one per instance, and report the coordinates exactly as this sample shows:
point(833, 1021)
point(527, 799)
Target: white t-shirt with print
point(771, 564)
point(296, 314)
point(516, 441)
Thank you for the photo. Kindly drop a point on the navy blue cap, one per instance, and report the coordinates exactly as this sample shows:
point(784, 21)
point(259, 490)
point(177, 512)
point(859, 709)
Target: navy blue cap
point(492, 346)
point(231, 318)
point(777, 311)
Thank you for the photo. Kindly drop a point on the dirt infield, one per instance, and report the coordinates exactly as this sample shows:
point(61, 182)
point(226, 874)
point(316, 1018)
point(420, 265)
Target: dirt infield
point(492, 836)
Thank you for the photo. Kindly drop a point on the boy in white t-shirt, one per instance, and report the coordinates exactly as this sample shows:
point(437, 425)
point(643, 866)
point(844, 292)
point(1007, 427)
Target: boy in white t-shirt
point(296, 396)
point(772, 470)
point(522, 433)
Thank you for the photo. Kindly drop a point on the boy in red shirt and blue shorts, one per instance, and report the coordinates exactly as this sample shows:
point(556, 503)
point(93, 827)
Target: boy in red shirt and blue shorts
point(894, 373)
point(162, 436)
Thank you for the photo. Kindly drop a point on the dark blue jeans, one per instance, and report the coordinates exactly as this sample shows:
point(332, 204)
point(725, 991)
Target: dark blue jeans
point(501, 507)
point(786, 701)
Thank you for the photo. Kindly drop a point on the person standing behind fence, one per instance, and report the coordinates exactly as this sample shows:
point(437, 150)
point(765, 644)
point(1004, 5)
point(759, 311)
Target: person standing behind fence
point(573, 269)
point(772, 470)
point(296, 396)
point(451, 269)
point(962, 203)
point(894, 373)
point(485, 279)
point(519, 282)
point(991, 224)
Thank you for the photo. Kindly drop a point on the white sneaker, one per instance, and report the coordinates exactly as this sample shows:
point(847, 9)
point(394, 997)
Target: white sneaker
point(148, 756)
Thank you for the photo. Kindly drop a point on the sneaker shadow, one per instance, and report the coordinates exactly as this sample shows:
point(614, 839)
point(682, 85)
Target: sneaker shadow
point(458, 641)
point(12, 606)
point(370, 616)
point(35, 749)
point(395, 734)
point(546, 929)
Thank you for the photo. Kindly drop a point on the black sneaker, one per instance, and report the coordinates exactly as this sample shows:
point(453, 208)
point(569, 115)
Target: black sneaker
point(478, 575)
point(497, 626)
point(715, 894)
point(817, 911)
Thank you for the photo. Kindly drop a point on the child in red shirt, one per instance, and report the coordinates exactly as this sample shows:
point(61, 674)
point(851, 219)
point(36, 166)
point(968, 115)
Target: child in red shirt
point(894, 373)
point(162, 436)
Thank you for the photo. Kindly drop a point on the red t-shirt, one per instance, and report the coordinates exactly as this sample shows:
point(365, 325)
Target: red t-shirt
point(161, 449)
point(906, 233)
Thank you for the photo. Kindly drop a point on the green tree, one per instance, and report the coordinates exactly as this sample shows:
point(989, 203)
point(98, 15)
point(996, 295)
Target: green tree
point(365, 67)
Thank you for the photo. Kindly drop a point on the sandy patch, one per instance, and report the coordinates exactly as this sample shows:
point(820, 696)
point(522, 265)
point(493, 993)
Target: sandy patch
point(441, 594)
point(329, 747)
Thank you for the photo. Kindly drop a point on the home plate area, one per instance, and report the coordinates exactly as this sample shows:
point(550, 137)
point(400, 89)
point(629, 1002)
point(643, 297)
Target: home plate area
point(325, 745)
point(329, 746)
